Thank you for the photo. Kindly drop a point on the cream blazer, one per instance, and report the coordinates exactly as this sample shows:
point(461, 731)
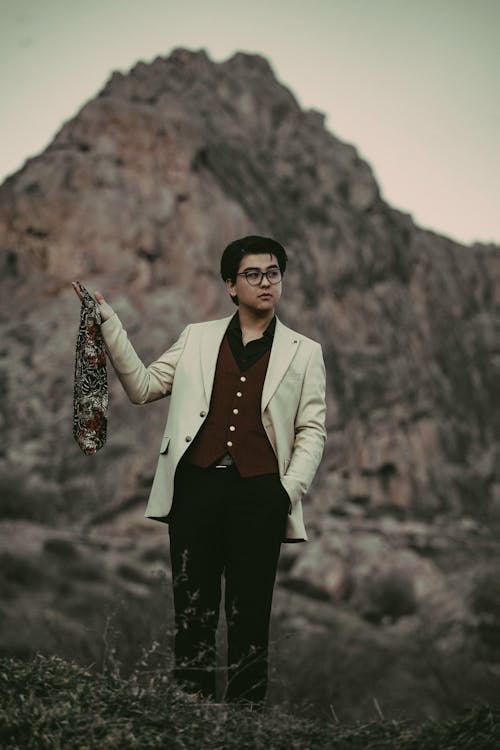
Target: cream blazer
point(293, 403)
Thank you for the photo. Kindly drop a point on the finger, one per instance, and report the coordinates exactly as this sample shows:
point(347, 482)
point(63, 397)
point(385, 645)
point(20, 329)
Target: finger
point(99, 297)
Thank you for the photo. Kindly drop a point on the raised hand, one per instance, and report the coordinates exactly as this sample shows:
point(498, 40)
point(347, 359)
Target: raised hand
point(105, 309)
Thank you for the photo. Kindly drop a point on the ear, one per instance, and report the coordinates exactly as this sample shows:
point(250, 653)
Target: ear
point(231, 287)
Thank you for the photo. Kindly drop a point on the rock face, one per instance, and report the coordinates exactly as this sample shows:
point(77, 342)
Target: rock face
point(137, 196)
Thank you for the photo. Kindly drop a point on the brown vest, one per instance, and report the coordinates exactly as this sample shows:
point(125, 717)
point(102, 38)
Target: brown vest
point(234, 424)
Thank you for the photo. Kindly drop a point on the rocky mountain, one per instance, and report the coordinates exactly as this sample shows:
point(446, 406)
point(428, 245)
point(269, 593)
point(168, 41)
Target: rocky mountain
point(137, 196)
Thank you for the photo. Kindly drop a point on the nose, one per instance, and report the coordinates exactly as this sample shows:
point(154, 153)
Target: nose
point(265, 281)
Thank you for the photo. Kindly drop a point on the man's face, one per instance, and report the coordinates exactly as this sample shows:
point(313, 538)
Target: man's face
point(263, 297)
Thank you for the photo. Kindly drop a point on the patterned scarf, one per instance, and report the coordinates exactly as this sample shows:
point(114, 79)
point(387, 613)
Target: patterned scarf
point(90, 395)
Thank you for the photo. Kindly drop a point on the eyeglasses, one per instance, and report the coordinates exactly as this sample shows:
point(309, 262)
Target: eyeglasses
point(254, 277)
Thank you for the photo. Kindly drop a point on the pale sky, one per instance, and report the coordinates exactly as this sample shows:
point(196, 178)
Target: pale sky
point(413, 84)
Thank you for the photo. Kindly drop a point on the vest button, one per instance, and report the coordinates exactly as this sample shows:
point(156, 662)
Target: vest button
point(203, 413)
point(236, 411)
point(229, 444)
point(243, 378)
point(188, 438)
point(232, 428)
point(239, 394)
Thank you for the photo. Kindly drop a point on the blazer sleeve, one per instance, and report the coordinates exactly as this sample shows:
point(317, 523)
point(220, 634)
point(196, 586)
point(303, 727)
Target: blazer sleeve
point(141, 384)
point(309, 428)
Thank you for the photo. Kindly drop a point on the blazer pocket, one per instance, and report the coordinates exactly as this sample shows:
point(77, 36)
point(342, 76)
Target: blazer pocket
point(164, 444)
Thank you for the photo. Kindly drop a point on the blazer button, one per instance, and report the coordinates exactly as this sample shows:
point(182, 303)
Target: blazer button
point(188, 438)
point(203, 413)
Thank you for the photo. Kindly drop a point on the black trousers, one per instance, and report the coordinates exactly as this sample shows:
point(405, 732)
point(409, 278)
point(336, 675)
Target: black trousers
point(224, 524)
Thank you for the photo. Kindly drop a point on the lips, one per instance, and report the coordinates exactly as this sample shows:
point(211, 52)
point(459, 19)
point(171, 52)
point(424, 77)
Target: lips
point(265, 296)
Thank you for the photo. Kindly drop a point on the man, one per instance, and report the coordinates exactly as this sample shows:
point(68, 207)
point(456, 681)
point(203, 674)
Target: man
point(243, 440)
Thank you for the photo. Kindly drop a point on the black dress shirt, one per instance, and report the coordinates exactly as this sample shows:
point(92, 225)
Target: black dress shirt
point(246, 356)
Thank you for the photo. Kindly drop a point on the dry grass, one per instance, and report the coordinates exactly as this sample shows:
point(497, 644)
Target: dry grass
point(48, 703)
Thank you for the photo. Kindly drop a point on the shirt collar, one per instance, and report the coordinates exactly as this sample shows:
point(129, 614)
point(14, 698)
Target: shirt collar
point(234, 325)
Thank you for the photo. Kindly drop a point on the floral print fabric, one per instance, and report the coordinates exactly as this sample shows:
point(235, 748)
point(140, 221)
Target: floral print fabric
point(90, 396)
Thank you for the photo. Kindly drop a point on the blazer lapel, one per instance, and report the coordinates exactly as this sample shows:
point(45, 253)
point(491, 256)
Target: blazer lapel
point(209, 351)
point(284, 348)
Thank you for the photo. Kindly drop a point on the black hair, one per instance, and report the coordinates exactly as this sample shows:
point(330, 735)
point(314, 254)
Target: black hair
point(236, 250)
